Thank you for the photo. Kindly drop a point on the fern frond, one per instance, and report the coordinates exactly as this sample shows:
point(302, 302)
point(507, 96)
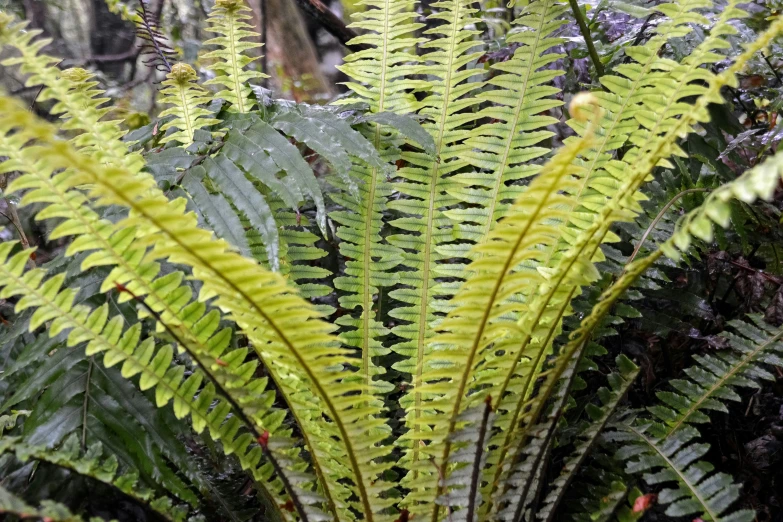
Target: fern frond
point(93, 464)
point(714, 378)
point(77, 100)
point(590, 193)
point(506, 147)
point(332, 138)
point(116, 247)
point(148, 29)
point(184, 96)
point(424, 228)
point(379, 76)
point(594, 188)
point(248, 137)
point(231, 181)
point(699, 491)
point(527, 475)
point(10, 504)
point(462, 488)
point(113, 246)
point(599, 416)
point(482, 306)
point(624, 98)
point(133, 270)
point(669, 446)
point(229, 61)
point(379, 73)
point(297, 348)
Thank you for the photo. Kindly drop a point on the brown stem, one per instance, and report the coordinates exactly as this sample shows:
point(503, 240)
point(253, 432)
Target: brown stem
point(14, 219)
point(131, 53)
point(331, 22)
point(768, 277)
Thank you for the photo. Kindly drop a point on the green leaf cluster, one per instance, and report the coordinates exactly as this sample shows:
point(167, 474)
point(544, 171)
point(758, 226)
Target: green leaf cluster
point(379, 309)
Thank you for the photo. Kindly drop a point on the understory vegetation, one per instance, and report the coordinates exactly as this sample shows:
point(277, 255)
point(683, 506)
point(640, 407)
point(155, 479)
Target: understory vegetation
point(527, 267)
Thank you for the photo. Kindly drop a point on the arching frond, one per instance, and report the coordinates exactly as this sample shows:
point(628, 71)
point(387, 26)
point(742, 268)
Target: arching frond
point(139, 357)
point(284, 330)
point(95, 465)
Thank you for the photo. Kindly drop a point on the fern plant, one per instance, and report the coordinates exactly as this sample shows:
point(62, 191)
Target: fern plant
point(427, 372)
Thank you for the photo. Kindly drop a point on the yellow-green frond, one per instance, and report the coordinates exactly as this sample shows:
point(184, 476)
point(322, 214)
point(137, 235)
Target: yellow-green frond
point(297, 348)
point(229, 62)
point(185, 98)
point(503, 150)
point(77, 100)
point(423, 231)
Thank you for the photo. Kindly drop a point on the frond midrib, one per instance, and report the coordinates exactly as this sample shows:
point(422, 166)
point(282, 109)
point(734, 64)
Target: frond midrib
point(234, 66)
point(186, 111)
point(367, 254)
point(424, 298)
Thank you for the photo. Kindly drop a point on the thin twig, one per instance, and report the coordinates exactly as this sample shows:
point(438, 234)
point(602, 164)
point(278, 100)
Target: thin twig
point(768, 277)
point(264, 37)
point(133, 52)
point(17, 226)
point(35, 98)
point(580, 20)
point(772, 68)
